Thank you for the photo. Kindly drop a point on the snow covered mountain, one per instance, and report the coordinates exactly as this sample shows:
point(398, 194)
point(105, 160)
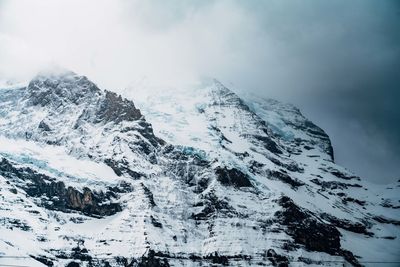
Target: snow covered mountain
point(199, 178)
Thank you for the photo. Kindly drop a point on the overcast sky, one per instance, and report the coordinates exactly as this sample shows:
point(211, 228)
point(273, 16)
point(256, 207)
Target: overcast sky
point(338, 60)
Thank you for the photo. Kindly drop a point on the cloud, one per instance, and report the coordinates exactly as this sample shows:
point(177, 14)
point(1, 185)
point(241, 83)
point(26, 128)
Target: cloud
point(116, 42)
point(337, 60)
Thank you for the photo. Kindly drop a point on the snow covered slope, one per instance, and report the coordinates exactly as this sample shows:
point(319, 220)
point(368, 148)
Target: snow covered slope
point(86, 181)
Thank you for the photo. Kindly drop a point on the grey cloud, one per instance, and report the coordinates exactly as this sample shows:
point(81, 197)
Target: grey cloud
point(339, 61)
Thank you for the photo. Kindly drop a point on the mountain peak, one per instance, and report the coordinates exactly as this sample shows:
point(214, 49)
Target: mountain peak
point(56, 87)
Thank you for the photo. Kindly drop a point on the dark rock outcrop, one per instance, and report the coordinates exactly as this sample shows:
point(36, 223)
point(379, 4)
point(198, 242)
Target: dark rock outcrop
point(309, 230)
point(212, 204)
point(155, 222)
point(333, 184)
point(149, 195)
point(11, 223)
point(314, 130)
point(217, 259)
point(54, 194)
point(189, 164)
point(81, 254)
point(276, 259)
point(56, 89)
point(268, 143)
point(116, 109)
point(120, 168)
point(232, 177)
point(285, 178)
point(354, 227)
point(64, 91)
point(382, 219)
point(306, 229)
point(152, 260)
point(73, 264)
point(343, 176)
point(44, 260)
point(44, 126)
point(354, 200)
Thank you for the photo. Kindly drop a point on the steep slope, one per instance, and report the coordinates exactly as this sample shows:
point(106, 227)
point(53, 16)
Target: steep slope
point(240, 182)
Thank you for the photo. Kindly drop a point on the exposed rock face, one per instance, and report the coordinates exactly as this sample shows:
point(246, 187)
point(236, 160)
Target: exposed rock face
point(310, 231)
point(333, 184)
point(294, 183)
point(211, 205)
point(151, 260)
point(57, 196)
point(307, 229)
point(382, 219)
point(268, 143)
point(276, 259)
point(73, 264)
point(67, 109)
point(317, 132)
point(13, 223)
point(43, 126)
point(116, 109)
point(287, 122)
point(54, 90)
point(121, 167)
point(347, 225)
point(223, 99)
point(232, 177)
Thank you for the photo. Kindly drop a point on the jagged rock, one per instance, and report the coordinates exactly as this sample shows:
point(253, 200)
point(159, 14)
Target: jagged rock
point(307, 229)
point(13, 190)
point(341, 175)
point(151, 260)
point(333, 184)
point(80, 254)
point(211, 205)
point(116, 109)
point(44, 127)
point(278, 114)
point(232, 177)
point(383, 219)
point(294, 183)
point(62, 198)
point(387, 204)
point(389, 237)
point(346, 224)
point(350, 199)
point(44, 260)
point(55, 89)
point(149, 195)
point(73, 264)
point(313, 129)
point(276, 259)
point(350, 258)
point(120, 168)
point(217, 259)
point(155, 222)
point(15, 223)
point(268, 143)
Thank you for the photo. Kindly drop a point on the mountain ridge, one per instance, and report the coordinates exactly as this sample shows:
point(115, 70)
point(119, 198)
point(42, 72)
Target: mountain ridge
point(213, 178)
